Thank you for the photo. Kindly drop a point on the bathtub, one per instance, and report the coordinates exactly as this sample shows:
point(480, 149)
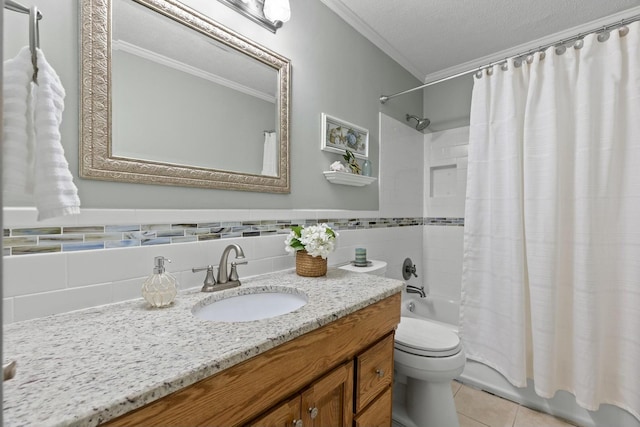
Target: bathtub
point(446, 313)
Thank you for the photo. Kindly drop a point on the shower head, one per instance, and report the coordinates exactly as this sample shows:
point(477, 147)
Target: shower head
point(422, 123)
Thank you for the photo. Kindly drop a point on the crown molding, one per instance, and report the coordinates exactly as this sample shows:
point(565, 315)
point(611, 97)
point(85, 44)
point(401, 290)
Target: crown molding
point(194, 71)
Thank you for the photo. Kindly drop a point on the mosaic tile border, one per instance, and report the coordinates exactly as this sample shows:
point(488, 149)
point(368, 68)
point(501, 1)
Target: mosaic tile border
point(39, 240)
point(449, 222)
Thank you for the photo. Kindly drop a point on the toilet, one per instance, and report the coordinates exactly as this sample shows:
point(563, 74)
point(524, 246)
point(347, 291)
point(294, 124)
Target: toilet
point(427, 357)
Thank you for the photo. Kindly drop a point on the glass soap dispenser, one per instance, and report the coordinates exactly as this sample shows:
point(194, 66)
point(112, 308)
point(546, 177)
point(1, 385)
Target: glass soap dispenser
point(160, 288)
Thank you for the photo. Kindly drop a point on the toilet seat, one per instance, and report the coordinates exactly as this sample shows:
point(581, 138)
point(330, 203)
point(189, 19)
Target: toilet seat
point(424, 338)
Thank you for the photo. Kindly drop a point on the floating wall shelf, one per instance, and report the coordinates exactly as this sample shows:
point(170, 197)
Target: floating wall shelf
point(344, 178)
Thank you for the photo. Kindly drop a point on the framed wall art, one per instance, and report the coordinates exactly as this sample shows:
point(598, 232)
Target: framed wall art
point(339, 135)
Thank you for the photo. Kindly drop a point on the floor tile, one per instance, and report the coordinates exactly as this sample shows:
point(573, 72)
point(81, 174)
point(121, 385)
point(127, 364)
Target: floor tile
point(485, 408)
point(469, 422)
point(530, 418)
point(455, 386)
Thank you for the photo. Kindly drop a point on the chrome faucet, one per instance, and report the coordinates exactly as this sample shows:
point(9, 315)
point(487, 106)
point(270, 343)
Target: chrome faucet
point(416, 290)
point(225, 281)
point(209, 284)
point(232, 278)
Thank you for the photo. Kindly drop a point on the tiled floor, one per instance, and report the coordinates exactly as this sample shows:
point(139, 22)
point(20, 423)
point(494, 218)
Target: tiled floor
point(477, 408)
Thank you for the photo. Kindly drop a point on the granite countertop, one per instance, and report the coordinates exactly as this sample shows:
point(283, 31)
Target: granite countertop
point(89, 366)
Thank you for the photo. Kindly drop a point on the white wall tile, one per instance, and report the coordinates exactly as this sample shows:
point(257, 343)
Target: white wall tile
point(125, 290)
point(46, 303)
point(91, 267)
point(267, 247)
point(283, 263)
point(7, 310)
point(401, 166)
point(446, 149)
point(443, 247)
point(29, 274)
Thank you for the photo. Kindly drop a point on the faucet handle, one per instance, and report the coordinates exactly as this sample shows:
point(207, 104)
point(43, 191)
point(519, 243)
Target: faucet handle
point(233, 275)
point(209, 280)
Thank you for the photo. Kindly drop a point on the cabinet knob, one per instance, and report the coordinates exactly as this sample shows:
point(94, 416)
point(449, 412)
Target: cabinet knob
point(297, 423)
point(313, 412)
point(380, 373)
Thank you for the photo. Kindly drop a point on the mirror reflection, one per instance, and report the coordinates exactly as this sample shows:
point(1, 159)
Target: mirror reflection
point(180, 100)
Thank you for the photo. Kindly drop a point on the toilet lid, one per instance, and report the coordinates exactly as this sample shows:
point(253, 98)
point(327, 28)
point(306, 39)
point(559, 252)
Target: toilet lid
point(424, 338)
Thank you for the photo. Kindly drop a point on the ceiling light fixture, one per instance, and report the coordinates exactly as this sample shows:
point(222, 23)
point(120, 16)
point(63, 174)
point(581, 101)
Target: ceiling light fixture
point(270, 14)
point(277, 10)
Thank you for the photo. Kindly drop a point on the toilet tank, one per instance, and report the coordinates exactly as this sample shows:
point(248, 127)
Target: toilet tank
point(379, 268)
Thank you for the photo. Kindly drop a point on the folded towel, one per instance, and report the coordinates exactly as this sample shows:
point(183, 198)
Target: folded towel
point(34, 162)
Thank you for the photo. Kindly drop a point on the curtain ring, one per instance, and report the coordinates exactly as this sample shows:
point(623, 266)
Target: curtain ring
point(490, 71)
point(579, 44)
point(478, 74)
point(505, 65)
point(623, 31)
point(560, 49)
point(542, 55)
point(603, 36)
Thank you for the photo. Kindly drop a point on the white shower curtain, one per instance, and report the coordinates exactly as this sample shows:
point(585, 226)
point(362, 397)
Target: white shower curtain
point(551, 279)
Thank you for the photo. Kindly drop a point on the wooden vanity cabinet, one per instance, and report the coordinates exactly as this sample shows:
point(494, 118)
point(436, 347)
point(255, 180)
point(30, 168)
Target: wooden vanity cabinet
point(378, 414)
point(287, 414)
point(326, 402)
point(343, 369)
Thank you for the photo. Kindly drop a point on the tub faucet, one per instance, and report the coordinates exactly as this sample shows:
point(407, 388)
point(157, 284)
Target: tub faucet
point(232, 277)
point(416, 290)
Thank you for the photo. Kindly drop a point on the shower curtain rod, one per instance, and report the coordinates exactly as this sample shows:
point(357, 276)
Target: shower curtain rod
point(603, 28)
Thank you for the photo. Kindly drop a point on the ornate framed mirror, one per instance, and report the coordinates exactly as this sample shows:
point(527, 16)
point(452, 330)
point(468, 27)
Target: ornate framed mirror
point(169, 96)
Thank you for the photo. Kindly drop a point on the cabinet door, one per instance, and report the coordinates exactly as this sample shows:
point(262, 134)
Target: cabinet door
point(286, 414)
point(378, 414)
point(329, 400)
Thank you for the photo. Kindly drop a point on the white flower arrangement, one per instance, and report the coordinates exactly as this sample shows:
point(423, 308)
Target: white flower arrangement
point(337, 166)
point(317, 240)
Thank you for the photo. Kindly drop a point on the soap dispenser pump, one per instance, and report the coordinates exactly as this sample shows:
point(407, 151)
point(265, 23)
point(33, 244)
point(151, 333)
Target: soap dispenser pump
point(160, 288)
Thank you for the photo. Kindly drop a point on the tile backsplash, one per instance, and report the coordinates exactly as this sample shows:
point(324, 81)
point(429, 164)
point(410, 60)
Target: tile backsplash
point(39, 240)
point(46, 283)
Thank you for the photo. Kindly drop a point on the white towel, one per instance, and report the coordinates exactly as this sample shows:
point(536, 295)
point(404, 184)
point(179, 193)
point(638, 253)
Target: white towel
point(270, 155)
point(43, 171)
point(17, 152)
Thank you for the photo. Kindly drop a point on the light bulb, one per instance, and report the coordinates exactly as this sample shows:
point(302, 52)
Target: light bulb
point(277, 10)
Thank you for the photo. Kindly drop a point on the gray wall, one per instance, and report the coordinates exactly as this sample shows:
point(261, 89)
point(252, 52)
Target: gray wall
point(448, 104)
point(335, 70)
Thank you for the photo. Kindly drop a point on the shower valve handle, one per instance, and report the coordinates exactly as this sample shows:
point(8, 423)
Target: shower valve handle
point(408, 268)
point(412, 270)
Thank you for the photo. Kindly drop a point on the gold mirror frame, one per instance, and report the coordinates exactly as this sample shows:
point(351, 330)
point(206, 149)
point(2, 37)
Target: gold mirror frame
point(96, 161)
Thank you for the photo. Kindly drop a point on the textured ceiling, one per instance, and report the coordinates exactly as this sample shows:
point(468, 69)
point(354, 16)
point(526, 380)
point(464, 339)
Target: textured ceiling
point(429, 36)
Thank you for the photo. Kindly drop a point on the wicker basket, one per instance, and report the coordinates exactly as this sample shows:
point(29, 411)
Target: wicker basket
point(310, 266)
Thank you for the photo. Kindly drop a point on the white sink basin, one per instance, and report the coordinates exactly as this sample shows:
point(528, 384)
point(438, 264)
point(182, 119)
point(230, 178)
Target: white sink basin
point(253, 306)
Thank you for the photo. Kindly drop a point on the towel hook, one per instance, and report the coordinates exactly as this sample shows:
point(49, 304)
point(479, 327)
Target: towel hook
point(34, 39)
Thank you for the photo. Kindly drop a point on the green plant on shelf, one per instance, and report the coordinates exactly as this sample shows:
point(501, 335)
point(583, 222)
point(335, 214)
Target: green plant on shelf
point(352, 162)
